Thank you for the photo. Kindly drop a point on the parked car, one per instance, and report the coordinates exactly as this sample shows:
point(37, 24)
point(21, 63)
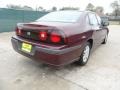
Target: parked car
point(61, 37)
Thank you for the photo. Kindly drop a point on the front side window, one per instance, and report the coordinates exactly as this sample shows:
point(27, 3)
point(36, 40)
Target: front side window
point(61, 16)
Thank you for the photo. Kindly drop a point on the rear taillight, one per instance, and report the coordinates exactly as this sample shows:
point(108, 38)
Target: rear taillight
point(43, 35)
point(46, 36)
point(55, 37)
point(18, 31)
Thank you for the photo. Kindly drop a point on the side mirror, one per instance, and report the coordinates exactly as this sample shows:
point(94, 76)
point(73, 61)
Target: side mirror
point(105, 23)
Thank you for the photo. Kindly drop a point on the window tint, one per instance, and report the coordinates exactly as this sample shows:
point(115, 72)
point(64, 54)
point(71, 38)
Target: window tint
point(93, 19)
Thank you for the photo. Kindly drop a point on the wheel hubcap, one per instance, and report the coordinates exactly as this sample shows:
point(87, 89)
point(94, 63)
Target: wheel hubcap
point(86, 53)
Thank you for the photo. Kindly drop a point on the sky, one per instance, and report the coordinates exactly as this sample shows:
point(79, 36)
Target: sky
point(48, 4)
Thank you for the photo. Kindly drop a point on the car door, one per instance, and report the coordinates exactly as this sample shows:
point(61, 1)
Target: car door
point(97, 30)
point(103, 29)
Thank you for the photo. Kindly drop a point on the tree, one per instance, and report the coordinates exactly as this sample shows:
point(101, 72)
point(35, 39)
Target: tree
point(54, 8)
point(10, 6)
point(19, 7)
point(90, 7)
point(116, 8)
point(39, 8)
point(27, 8)
point(69, 8)
point(99, 10)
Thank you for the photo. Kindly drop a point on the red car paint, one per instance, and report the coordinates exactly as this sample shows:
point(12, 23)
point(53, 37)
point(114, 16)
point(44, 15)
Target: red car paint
point(74, 36)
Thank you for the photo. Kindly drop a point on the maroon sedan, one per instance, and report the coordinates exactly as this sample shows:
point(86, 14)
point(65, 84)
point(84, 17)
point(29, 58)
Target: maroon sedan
point(61, 37)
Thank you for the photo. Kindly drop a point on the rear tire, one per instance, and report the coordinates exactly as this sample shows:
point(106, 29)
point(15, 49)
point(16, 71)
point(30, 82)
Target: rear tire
point(85, 55)
point(105, 40)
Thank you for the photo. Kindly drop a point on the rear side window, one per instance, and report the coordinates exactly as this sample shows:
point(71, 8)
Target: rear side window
point(99, 19)
point(93, 19)
point(87, 20)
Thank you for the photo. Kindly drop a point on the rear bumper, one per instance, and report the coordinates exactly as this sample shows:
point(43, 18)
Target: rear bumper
point(55, 57)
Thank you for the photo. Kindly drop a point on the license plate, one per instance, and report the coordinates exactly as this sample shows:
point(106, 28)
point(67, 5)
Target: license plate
point(26, 47)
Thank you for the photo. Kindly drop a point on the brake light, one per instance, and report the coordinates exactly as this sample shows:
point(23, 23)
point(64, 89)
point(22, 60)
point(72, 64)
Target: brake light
point(18, 31)
point(55, 37)
point(43, 36)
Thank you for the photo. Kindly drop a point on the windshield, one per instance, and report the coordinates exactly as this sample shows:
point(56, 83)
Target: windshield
point(61, 16)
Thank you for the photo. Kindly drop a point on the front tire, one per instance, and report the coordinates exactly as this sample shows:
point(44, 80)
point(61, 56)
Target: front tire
point(85, 55)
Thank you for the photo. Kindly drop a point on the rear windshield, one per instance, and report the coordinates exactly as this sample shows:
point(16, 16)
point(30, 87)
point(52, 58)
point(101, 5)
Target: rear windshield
point(61, 16)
